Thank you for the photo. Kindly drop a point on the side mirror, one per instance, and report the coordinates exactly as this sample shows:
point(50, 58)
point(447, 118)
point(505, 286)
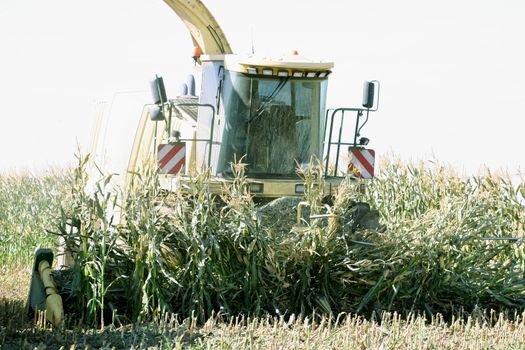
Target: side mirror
point(156, 113)
point(369, 88)
point(158, 91)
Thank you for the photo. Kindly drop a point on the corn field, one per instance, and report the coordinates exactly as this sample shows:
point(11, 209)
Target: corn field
point(446, 245)
point(29, 205)
point(192, 270)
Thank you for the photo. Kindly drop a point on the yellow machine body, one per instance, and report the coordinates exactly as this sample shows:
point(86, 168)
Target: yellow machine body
point(216, 64)
point(266, 112)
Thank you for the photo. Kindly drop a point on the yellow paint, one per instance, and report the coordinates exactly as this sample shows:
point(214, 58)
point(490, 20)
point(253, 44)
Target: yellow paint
point(204, 29)
point(141, 144)
point(272, 188)
point(54, 308)
point(238, 63)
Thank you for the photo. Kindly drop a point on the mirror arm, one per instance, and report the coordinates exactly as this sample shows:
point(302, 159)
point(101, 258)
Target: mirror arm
point(358, 133)
point(357, 128)
point(168, 125)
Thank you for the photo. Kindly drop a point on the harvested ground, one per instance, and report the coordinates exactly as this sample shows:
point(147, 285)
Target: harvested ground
point(14, 282)
point(481, 330)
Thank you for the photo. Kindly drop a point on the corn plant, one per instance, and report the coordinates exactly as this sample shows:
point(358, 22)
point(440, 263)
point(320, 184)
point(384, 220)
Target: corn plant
point(447, 243)
point(89, 235)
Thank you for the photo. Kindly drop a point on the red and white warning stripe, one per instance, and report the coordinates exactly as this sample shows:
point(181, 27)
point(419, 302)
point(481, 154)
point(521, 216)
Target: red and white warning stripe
point(172, 157)
point(362, 162)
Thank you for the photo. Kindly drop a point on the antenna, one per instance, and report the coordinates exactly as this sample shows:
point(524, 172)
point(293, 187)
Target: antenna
point(253, 46)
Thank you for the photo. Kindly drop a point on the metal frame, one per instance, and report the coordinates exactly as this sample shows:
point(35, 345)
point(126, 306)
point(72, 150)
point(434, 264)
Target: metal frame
point(339, 143)
point(210, 140)
point(357, 131)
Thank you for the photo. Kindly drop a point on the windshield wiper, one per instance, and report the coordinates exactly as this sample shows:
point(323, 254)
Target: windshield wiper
point(269, 99)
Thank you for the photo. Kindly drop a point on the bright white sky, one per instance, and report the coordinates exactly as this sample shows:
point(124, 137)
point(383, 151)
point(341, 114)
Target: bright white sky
point(452, 72)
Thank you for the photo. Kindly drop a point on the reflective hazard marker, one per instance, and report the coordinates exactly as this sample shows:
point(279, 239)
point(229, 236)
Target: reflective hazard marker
point(361, 162)
point(172, 157)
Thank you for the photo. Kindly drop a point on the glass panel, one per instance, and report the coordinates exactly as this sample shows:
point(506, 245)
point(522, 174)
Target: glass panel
point(274, 122)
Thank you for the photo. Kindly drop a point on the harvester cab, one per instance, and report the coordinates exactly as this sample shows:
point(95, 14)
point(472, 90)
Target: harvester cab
point(266, 112)
point(269, 113)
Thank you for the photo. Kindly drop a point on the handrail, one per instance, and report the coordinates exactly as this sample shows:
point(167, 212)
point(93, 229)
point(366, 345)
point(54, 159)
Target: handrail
point(210, 140)
point(339, 143)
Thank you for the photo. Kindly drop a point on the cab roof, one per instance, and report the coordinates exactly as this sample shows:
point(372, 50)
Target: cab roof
point(290, 63)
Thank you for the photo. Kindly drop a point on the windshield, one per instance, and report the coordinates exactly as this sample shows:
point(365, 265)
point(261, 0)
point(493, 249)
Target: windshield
point(273, 122)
